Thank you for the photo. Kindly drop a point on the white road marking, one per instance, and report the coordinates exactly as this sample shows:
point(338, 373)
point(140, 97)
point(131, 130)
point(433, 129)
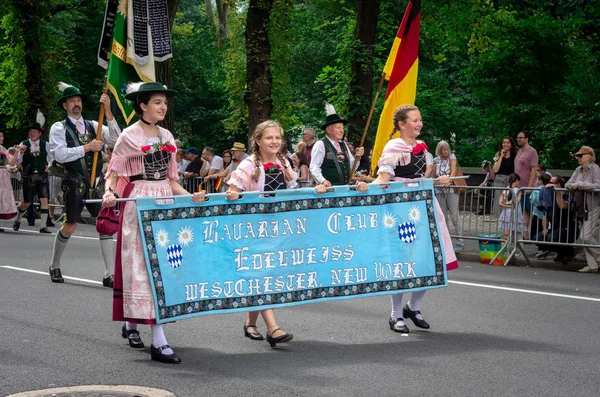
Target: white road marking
point(54, 234)
point(83, 280)
point(526, 291)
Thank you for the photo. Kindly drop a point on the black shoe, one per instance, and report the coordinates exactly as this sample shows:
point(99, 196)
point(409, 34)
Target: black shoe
point(45, 230)
point(407, 313)
point(156, 355)
point(108, 281)
point(397, 327)
point(49, 223)
point(252, 335)
point(16, 226)
point(133, 337)
point(1, 230)
point(56, 276)
point(273, 341)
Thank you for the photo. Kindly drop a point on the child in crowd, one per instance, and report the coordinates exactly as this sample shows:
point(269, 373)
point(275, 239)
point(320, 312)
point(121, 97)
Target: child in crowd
point(508, 201)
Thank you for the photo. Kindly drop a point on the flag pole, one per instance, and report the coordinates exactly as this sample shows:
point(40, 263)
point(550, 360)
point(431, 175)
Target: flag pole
point(364, 135)
point(100, 121)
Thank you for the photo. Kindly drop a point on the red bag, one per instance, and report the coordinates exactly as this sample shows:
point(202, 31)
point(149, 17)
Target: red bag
point(108, 222)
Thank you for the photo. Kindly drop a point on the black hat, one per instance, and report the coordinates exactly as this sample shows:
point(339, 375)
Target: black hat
point(68, 91)
point(135, 89)
point(35, 126)
point(332, 117)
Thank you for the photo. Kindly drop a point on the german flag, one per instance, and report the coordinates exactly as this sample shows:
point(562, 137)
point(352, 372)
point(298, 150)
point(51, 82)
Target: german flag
point(401, 71)
point(218, 184)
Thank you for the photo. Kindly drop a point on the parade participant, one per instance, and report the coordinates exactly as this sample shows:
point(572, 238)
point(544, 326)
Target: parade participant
point(583, 182)
point(405, 158)
point(73, 143)
point(266, 170)
point(145, 153)
point(8, 208)
point(34, 157)
point(331, 160)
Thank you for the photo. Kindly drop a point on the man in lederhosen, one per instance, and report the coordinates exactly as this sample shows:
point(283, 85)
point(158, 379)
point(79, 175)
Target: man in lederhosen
point(331, 161)
point(73, 143)
point(34, 157)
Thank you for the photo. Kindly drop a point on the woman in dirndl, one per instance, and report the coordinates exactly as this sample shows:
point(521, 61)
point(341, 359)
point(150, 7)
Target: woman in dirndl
point(402, 159)
point(145, 154)
point(8, 208)
point(266, 170)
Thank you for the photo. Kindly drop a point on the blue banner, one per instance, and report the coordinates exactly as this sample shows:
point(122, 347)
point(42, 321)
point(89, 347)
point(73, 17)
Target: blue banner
point(292, 248)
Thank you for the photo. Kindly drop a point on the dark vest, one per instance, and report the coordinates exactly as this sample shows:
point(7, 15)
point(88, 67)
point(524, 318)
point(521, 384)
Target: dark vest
point(75, 167)
point(336, 172)
point(35, 164)
point(413, 170)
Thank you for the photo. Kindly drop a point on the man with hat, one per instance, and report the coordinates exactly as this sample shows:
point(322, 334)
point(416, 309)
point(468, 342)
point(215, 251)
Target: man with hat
point(34, 157)
point(238, 152)
point(193, 169)
point(73, 143)
point(331, 161)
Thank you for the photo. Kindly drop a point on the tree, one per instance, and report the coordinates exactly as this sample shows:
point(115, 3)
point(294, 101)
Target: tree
point(258, 58)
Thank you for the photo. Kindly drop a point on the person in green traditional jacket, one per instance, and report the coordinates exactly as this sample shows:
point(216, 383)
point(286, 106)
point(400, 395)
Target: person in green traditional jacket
point(73, 143)
point(34, 157)
point(331, 160)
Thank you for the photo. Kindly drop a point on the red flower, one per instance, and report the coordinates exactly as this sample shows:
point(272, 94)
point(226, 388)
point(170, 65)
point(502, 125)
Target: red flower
point(146, 148)
point(419, 148)
point(168, 148)
point(270, 167)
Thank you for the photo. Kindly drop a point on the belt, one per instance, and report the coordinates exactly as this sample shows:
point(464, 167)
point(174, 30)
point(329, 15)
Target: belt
point(141, 177)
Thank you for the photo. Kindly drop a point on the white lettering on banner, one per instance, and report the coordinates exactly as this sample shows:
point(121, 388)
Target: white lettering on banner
point(214, 231)
point(395, 271)
point(295, 257)
point(251, 287)
point(351, 222)
point(350, 276)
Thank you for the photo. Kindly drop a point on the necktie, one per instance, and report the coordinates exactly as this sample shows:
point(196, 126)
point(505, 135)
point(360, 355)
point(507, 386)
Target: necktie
point(79, 126)
point(337, 146)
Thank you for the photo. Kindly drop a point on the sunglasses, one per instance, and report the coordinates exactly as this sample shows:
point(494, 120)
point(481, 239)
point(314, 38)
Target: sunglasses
point(579, 155)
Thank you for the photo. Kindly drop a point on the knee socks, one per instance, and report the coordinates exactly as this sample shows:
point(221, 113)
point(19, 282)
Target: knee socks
point(20, 213)
point(60, 243)
point(159, 339)
point(107, 247)
point(396, 305)
point(44, 215)
point(414, 303)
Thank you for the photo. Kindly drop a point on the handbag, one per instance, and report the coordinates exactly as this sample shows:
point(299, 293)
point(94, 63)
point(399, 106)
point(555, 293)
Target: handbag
point(56, 169)
point(108, 221)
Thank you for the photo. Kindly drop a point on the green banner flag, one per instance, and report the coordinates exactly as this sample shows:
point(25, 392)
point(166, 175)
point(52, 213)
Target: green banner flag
point(123, 68)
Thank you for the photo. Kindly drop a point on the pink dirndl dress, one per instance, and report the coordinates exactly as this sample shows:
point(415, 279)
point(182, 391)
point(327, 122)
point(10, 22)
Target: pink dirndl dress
point(133, 300)
point(8, 208)
point(397, 153)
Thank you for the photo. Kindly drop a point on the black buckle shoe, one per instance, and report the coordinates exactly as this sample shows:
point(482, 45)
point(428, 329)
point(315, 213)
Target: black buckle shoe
point(273, 341)
point(133, 337)
point(16, 226)
point(108, 281)
point(252, 335)
point(397, 327)
point(407, 313)
point(56, 276)
point(45, 230)
point(156, 355)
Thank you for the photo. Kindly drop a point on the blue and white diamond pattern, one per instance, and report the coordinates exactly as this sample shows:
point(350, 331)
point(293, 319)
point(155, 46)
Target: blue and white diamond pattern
point(407, 232)
point(175, 255)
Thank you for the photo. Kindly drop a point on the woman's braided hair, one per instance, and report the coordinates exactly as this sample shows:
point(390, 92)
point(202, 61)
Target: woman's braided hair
point(401, 114)
point(258, 159)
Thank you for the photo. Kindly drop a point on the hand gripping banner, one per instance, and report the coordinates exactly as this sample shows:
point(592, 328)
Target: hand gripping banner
point(293, 248)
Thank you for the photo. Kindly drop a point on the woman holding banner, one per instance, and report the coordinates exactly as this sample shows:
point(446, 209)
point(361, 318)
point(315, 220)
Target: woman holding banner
point(266, 170)
point(406, 158)
point(145, 153)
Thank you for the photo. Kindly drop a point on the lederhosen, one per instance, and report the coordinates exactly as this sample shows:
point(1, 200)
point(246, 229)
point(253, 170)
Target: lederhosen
point(76, 182)
point(336, 164)
point(35, 177)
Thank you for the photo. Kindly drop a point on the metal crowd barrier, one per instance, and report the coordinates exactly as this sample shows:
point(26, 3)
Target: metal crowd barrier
point(210, 185)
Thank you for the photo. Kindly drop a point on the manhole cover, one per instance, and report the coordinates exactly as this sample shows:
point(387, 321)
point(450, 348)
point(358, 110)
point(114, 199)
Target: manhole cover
point(97, 391)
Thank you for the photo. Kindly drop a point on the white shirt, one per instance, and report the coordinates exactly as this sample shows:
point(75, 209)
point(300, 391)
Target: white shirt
point(35, 147)
point(318, 155)
point(215, 164)
point(64, 154)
